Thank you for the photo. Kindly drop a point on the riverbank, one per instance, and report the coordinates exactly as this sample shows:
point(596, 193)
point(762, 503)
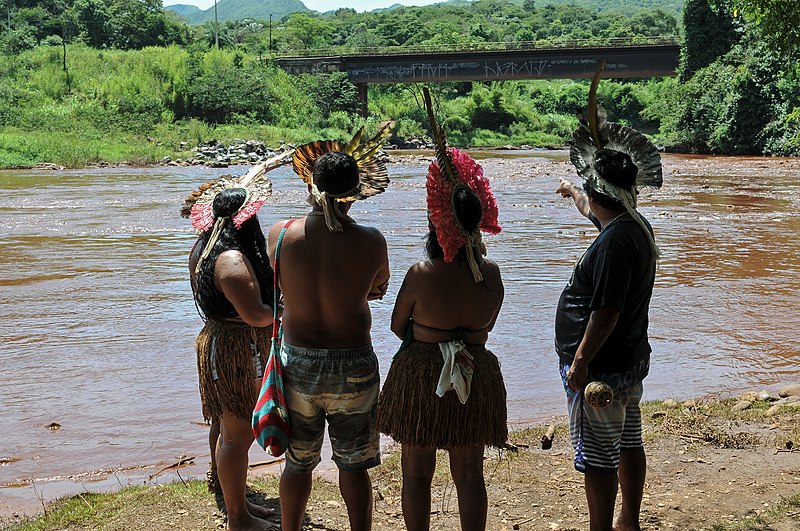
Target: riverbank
point(246, 153)
point(712, 464)
point(218, 154)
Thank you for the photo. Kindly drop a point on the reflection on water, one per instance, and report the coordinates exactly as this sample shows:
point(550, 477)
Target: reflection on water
point(97, 322)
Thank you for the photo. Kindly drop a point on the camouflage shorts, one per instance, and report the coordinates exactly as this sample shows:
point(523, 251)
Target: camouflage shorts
point(337, 385)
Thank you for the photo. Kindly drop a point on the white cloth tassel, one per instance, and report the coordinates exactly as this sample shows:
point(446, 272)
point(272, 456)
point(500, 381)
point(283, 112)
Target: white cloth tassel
point(456, 373)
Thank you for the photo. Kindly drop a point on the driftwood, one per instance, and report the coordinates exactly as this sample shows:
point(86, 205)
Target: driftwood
point(547, 438)
point(266, 463)
point(183, 461)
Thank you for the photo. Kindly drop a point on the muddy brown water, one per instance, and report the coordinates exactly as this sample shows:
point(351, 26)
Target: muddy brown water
point(97, 323)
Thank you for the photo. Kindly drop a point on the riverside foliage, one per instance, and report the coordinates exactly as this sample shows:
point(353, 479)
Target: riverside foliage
point(81, 84)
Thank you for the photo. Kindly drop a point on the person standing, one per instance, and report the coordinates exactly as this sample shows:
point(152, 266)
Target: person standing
point(232, 285)
point(602, 316)
point(331, 266)
point(444, 389)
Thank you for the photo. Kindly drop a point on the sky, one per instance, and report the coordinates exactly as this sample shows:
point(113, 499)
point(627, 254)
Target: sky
point(323, 5)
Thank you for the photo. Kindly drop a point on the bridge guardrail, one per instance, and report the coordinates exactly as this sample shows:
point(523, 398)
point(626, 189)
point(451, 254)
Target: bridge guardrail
point(338, 51)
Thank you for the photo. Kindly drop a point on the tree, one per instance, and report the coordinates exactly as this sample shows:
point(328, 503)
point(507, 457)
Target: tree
point(708, 33)
point(310, 31)
point(653, 22)
point(779, 21)
point(92, 17)
point(139, 23)
point(18, 39)
point(222, 90)
point(362, 37)
point(333, 92)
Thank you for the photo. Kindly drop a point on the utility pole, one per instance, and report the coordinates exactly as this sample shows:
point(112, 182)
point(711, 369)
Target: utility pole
point(270, 32)
point(8, 11)
point(216, 26)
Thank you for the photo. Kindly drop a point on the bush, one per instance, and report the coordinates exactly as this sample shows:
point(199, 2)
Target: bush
point(17, 40)
point(218, 93)
point(332, 92)
point(341, 121)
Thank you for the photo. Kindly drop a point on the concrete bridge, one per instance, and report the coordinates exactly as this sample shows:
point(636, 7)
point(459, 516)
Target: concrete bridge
point(641, 58)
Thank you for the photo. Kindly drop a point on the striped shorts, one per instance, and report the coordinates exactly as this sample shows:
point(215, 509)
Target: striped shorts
point(599, 434)
point(342, 387)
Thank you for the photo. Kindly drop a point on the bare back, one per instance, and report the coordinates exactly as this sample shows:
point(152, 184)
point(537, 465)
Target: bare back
point(326, 279)
point(444, 300)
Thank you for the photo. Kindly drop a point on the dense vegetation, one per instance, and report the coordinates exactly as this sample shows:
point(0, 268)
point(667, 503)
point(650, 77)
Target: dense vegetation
point(93, 80)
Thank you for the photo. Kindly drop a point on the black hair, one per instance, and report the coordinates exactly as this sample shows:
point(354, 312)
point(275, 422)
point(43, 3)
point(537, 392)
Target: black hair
point(248, 239)
point(468, 211)
point(335, 172)
point(618, 169)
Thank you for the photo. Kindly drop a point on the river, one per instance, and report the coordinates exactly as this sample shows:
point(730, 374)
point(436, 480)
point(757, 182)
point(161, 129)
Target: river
point(97, 322)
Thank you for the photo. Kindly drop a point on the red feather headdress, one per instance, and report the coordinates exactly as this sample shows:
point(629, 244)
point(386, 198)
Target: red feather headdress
point(198, 205)
point(454, 169)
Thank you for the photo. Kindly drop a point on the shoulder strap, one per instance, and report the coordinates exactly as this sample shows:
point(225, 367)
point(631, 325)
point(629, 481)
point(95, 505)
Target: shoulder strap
point(276, 290)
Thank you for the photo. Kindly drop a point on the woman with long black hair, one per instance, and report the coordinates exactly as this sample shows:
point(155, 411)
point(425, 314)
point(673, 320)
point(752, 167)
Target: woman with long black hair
point(444, 389)
point(232, 283)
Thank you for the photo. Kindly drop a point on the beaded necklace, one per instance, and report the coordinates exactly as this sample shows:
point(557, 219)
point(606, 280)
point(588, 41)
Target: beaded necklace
point(613, 220)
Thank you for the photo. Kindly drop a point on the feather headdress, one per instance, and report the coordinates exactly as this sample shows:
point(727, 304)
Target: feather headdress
point(451, 171)
point(372, 172)
point(198, 205)
point(595, 133)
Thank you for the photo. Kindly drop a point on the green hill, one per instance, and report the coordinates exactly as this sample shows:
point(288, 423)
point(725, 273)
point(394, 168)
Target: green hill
point(185, 10)
point(240, 9)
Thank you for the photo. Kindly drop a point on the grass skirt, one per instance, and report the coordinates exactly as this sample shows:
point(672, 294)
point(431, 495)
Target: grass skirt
point(235, 389)
point(410, 412)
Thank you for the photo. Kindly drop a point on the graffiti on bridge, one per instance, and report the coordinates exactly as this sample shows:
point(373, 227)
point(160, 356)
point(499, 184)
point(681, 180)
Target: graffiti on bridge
point(472, 69)
point(414, 71)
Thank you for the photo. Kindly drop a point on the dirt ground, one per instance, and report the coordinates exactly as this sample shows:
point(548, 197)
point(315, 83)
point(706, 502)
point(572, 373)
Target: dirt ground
point(710, 466)
point(702, 469)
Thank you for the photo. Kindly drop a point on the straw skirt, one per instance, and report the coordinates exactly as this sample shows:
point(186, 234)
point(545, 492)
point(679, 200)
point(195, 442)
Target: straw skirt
point(231, 358)
point(410, 412)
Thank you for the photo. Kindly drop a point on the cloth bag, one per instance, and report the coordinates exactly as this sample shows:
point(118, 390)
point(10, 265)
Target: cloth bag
point(270, 422)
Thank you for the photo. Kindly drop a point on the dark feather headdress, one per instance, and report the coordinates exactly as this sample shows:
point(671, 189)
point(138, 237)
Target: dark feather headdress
point(372, 172)
point(595, 133)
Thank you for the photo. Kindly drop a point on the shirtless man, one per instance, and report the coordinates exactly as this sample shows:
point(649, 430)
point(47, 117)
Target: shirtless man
point(330, 370)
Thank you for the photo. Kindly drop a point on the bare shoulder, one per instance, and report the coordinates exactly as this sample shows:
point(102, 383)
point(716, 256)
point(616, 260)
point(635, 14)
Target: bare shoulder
point(491, 266)
point(491, 273)
point(231, 264)
point(420, 271)
point(415, 276)
point(275, 230)
point(422, 267)
point(372, 233)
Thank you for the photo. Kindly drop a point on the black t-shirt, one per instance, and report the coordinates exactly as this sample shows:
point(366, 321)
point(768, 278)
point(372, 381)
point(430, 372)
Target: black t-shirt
point(616, 271)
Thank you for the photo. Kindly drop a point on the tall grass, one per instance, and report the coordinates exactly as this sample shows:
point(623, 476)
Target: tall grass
point(143, 105)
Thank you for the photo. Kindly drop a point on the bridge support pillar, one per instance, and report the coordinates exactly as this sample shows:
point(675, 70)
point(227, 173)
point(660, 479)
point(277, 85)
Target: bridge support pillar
point(362, 100)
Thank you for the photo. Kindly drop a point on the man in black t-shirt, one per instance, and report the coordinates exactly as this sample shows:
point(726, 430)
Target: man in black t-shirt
point(601, 335)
